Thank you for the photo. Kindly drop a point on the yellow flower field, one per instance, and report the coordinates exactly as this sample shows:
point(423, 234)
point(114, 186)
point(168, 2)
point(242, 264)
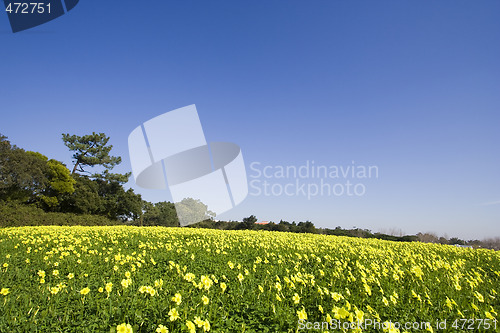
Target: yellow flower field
point(154, 279)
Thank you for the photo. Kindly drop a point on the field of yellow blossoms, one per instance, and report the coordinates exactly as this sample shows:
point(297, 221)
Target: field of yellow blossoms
point(153, 279)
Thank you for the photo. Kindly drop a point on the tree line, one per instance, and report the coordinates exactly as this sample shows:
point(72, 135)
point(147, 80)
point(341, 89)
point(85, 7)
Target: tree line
point(36, 190)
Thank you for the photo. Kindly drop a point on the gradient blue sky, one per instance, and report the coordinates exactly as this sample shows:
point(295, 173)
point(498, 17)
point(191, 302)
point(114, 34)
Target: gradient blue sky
point(410, 86)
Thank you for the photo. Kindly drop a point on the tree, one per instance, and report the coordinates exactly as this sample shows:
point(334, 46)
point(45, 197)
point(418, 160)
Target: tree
point(103, 197)
point(58, 182)
point(85, 199)
point(93, 150)
point(30, 177)
point(306, 227)
point(192, 211)
point(99, 193)
point(249, 222)
point(455, 240)
point(161, 213)
point(21, 175)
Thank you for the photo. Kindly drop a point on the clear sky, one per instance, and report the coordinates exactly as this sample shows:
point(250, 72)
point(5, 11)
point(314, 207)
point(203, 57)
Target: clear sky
point(412, 87)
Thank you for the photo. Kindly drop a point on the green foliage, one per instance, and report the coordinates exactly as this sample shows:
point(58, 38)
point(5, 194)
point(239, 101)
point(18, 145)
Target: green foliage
point(103, 197)
point(159, 214)
point(249, 222)
point(15, 215)
point(93, 150)
point(85, 199)
point(60, 179)
point(30, 177)
point(118, 203)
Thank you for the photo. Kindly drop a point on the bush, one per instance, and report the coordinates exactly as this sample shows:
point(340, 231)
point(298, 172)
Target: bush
point(17, 215)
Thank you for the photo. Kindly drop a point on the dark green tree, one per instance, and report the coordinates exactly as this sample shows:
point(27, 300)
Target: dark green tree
point(306, 227)
point(85, 199)
point(93, 150)
point(161, 213)
point(30, 177)
point(58, 182)
point(249, 222)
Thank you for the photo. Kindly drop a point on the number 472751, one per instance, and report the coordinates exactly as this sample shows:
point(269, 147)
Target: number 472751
point(28, 8)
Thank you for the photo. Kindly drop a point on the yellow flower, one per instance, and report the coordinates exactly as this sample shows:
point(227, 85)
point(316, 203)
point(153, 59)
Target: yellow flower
point(5, 265)
point(206, 326)
point(189, 277)
point(54, 290)
point(127, 274)
point(223, 286)
point(100, 289)
point(343, 313)
point(261, 289)
point(417, 271)
point(70, 276)
point(296, 298)
point(161, 329)
point(390, 327)
point(4, 291)
point(368, 289)
point(206, 281)
point(124, 328)
point(126, 283)
point(302, 314)
point(198, 321)
point(240, 277)
point(337, 297)
point(190, 326)
point(489, 315)
point(85, 291)
point(108, 287)
point(55, 272)
point(150, 290)
point(385, 301)
point(359, 315)
point(205, 299)
point(41, 274)
point(158, 283)
point(174, 315)
point(177, 299)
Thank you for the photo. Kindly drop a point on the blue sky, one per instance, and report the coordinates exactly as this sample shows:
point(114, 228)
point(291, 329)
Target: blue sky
point(410, 86)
